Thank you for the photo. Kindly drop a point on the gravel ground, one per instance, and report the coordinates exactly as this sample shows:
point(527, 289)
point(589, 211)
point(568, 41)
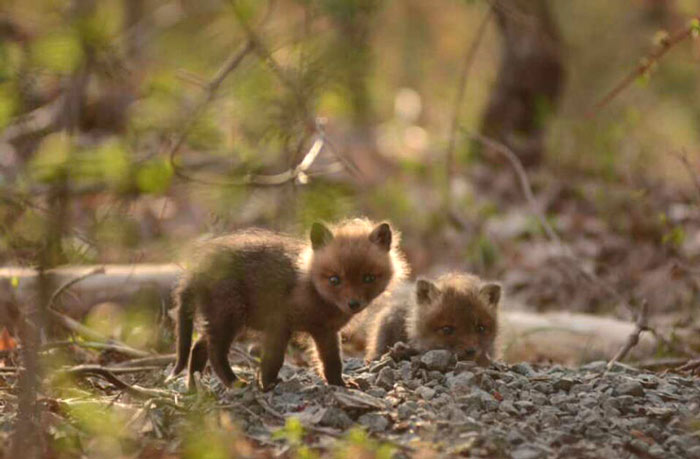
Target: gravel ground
point(431, 402)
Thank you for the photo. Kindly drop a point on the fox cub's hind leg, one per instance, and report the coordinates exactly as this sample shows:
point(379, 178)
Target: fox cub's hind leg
point(197, 362)
point(219, 338)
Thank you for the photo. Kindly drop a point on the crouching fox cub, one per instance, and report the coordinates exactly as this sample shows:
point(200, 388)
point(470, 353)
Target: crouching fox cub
point(278, 285)
point(457, 312)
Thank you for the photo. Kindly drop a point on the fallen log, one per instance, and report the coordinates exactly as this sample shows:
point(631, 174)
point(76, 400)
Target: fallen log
point(561, 337)
point(118, 284)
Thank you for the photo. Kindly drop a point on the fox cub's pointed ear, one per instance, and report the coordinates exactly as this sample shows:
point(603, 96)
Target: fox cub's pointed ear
point(320, 236)
point(492, 293)
point(381, 235)
point(426, 291)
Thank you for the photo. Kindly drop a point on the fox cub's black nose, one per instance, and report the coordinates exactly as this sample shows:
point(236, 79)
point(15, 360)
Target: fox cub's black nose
point(470, 351)
point(354, 305)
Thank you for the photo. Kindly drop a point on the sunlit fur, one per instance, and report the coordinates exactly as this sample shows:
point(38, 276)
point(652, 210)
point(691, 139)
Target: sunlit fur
point(279, 285)
point(351, 256)
point(462, 302)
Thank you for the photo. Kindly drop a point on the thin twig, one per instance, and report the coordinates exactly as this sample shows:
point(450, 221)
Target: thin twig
point(156, 360)
point(569, 257)
point(60, 290)
point(566, 252)
point(210, 93)
point(103, 346)
point(461, 89)
point(293, 86)
point(524, 186)
point(677, 347)
point(82, 330)
point(642, 325)
point(692, 171)
point(653, 364)
point(646, 64)
point(115, 370)
point(211, 88)
point(266, 56)
point(110, 377)
point(691, 365)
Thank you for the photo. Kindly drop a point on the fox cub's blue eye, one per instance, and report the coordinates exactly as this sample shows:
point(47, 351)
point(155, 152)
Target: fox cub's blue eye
point(368, 278)
point(480, 329)
point(334, 280)
point(447, 330)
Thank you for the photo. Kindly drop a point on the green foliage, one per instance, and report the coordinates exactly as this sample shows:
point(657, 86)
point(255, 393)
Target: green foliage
point(357, 443)
point(212, 436)
point(482, 252)
point(293, 433)
point(673, 235)
point(59, 51)
point(154, 176)
point(320, 202)
point(8, 103)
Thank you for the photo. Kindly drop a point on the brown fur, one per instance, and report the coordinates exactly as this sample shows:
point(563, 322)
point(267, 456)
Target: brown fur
point(458, 312)
point(279, 285)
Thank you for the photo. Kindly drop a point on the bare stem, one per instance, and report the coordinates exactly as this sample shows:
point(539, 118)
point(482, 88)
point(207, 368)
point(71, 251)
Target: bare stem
point(644, 66)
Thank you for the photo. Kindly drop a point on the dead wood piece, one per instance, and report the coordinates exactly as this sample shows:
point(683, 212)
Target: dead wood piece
point(109, 345)
point(155, 361)
point(110, 377)
point(691, 366)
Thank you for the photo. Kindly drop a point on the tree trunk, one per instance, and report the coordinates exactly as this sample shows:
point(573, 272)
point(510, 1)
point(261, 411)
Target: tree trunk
point(529, 81)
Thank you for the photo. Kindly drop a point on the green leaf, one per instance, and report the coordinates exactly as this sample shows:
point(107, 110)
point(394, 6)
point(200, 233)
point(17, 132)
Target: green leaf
point(8, 105)
point(60, 52)
point(154, 176)
point(695, 27)
point(51, 158)
point(14, 281)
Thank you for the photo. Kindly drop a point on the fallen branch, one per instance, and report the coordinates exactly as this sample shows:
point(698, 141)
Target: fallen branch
point(646, 64)
point(577, 334)
point(76, 327)
point(107, 375)
point(156, 360)
point(655, 364)
point(691, 366)
point(80, 329)
point(108, 345)
point(115, 370)
point(118, 284)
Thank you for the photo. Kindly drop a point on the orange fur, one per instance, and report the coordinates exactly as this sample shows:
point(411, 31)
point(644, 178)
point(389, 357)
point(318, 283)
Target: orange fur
point(280, 285)
point(458, 312)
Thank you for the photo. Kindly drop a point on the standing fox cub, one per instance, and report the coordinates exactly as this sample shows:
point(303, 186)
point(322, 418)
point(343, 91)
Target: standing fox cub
point(458, 312)
point(278, 285)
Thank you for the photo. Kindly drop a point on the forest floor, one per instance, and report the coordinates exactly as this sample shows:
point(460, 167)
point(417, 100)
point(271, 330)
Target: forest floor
point(638, 241)
point(404, 405)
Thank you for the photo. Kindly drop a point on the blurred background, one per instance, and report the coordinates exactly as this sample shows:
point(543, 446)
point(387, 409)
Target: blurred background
point(133, 127)
point(553, 146)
